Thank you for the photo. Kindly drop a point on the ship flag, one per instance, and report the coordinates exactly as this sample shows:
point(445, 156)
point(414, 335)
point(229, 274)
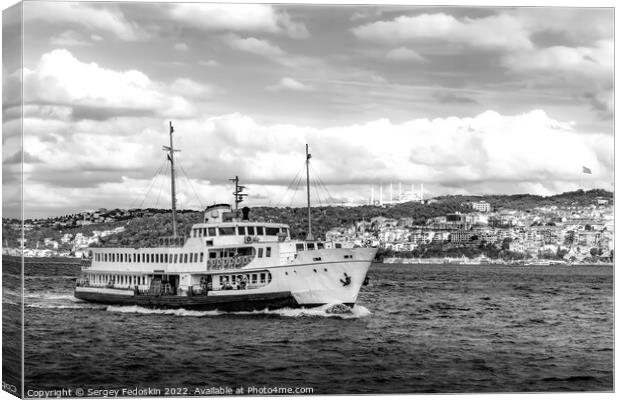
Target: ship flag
point(587, 170)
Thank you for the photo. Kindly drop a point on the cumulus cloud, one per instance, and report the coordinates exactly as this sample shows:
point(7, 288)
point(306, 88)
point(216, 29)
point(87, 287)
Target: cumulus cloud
point(239, 18)
point(61, 79)
point(109, 20)
point(68, 39)
point(489, 146)
point(404, 54)
point(255, 46)
point(492, 32)
point(190, 88)
point(602, 103)
point(181, 47)
point(291, 84)
point(577, 24)
point(209, 63)
point(595, 61)
point(489, 152)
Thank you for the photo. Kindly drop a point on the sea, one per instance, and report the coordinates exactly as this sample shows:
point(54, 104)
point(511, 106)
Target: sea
point(415, 329)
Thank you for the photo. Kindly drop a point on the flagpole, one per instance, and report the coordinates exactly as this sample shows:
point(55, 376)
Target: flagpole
point(309, 236)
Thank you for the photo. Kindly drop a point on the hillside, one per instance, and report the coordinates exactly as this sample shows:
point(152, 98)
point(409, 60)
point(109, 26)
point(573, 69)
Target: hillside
point(144, 227)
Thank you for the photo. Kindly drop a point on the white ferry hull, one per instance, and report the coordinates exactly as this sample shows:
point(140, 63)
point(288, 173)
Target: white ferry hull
point(292, 286)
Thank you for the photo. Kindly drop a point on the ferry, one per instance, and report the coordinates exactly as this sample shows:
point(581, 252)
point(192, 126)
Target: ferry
point(228, 262)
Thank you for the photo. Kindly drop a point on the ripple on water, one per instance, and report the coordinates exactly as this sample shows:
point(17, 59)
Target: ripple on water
point(412, 331)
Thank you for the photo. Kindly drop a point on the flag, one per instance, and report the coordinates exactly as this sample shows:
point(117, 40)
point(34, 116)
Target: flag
point(587, 170)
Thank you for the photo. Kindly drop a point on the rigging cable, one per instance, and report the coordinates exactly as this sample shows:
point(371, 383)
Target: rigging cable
point(150, 187)
point(161, 188)
point(331, 198)
point(190, 184)
point(315, 184)
point(289, 187)
point(296, 188)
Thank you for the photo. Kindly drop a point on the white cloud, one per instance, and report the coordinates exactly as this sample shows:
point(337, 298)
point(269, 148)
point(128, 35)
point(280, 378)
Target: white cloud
point(181, 47)
point(596, 61)
point(404, 54)
point(108, 19)
point(61, 79)
point(291, 84)
point(68, 39)
point(487, 153)
point(238, 17)
point(254, 46)
point(493, 32)
point(378, 79)
point(209, 63)
point(488, 147)
point(190, 88)
point(578, 24)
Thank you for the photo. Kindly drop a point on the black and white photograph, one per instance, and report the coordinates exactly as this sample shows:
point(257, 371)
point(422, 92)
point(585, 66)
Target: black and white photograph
point(307, 199)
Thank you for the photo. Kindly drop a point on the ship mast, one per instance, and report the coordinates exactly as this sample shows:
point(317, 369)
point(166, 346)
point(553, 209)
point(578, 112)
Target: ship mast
point(170, 156)
point(237, 193)
point(308, 156)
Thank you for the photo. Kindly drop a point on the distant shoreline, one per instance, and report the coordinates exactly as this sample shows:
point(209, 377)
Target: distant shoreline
point(413, 261)
point(531, 263)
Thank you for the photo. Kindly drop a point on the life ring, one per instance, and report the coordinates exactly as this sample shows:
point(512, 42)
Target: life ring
point(248, 239)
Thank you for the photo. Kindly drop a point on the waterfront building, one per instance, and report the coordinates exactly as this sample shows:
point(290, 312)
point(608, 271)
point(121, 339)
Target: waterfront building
point(481, 206)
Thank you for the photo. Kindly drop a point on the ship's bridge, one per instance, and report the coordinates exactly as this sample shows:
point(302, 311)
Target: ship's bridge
point(223, 226)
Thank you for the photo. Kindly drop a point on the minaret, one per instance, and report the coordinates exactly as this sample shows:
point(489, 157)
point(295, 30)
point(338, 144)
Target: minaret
point(381, 194)
point(372, 195)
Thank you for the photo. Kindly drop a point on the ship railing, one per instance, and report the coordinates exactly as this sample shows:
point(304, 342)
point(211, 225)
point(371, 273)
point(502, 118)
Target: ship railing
point(228, 262)
point(82, 283)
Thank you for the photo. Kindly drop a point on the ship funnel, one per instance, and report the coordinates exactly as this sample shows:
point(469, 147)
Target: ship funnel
point(246, 213)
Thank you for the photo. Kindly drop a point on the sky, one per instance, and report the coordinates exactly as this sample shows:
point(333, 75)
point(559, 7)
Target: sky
point(464, 100)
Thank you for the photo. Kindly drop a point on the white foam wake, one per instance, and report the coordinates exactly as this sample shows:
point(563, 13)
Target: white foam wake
point(180, 312)
point(356, 312)
point(55, 300)
point(51, 296)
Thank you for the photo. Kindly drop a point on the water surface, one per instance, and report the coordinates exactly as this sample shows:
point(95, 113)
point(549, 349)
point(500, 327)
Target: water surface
point(416, 329)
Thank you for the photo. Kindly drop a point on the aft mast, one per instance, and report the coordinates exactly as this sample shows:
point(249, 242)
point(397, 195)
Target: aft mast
point(237, 193)
point(170, 155)
point(308, 156)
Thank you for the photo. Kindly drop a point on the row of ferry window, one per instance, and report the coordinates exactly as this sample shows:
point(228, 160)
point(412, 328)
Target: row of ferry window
point(266, 251)
point(239, 230)
point(150, 257)
point(309, 246)
point(117, 279)
point(263, 277)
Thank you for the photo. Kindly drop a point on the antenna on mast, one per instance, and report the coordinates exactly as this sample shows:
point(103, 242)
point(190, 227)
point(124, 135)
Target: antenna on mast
point(237, 193)
point(308, 157)
point(171, 150)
